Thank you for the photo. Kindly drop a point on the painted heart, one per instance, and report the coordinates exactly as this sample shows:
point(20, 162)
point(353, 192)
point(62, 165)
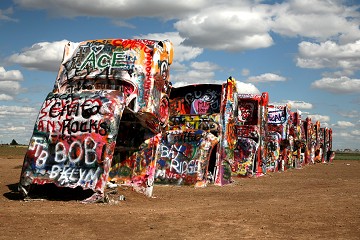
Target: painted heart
point(97, 49)
point(199, 106)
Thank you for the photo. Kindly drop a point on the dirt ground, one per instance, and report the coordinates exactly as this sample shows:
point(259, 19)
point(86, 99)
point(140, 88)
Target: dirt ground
point(320, 201)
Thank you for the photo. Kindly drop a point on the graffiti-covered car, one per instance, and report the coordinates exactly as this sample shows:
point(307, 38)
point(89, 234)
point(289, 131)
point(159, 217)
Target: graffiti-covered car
point(296, 133)
point(202, 114)
point(326, 143)
point(251, 128)
point(194, 121)
point(103, 88)
point(280, 143)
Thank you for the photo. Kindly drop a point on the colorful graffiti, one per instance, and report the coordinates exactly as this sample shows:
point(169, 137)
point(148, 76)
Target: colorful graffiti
point(73, 141)
point(139, 68)
point(113, 117)
point(184, 156)
point(103, 86)
point(210, 108)
point(279, 123)
point(245, 152)
point(296, 134)
point(251, 130)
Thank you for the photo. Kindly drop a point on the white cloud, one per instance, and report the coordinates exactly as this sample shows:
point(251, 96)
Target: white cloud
point(45, 56)
point(209, 28)
point(192, 76)
point(344, 135)
point(17, 122)
point(329, 54)
point(5, 97)
point(316, 19)
point(180, 84)
point(351, 114)
point(355, 133)
point(11, 111)
point(12, 75)
point(344, 124)
point(204, 66)
point(324, 124)
point(9, 89)
point(338, 85)
point(114, 8)
point(181, 52)
point(320, 118)
point(225, 24)
point(299, 104)
point(247, 88)
point(196, 72)
point(266, 77)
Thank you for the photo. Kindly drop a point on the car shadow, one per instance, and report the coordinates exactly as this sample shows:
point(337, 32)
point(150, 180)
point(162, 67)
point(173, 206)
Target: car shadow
point(48, 192)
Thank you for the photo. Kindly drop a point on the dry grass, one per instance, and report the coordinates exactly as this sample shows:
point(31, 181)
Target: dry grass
point(7, 151)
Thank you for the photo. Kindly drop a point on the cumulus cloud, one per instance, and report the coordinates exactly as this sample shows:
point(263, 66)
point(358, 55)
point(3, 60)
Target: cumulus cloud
point(295, 104)
point(44, 56)
point(266, 77)
point(317, 19)
point(299, 104)
point(194, 74)
point(125, 8)
point(247, 88)
point(210, 28)
point(338, 85)
point(12, 75)
point(329, 54)
point(350, 114)
point(12, 111)
point(239, 26)
point(17, 122)
point(10, 84)
point(189, 73)
point(5, 97)
point(320, 118)
point(181, 52)
point(344, 124)
point(355, 133)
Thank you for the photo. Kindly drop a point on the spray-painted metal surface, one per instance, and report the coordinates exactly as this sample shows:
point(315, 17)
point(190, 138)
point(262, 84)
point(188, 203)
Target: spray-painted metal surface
point(107, 119)
point(194, 110)
point(280, 149)
point(225, 161)
point(210, 108)
point(325, 139)
point(73, 141)
point(251, 129)
point(100, 84)
point(296, 133)
point(309, 148)
point(183, 157)
point(317, 142)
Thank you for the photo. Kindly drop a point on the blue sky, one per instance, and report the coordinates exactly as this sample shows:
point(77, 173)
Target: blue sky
point(303, 52)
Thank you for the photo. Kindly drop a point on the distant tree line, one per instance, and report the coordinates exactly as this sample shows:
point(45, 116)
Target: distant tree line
point(347, 150)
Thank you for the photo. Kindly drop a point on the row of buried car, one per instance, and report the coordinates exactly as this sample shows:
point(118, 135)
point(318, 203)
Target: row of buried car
point(113, 117)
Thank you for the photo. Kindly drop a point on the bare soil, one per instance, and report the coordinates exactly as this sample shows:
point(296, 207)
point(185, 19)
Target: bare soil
point(320, 201)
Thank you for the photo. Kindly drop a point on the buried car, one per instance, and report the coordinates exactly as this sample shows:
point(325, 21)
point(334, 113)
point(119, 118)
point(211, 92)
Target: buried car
point(103, 88)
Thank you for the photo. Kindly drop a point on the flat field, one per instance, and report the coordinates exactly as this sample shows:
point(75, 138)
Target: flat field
point(320, 201)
